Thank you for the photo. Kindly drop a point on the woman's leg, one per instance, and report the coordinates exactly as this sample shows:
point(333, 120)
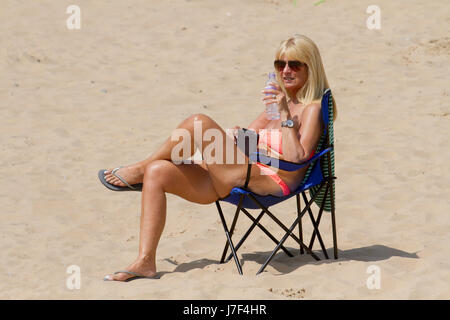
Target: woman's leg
point(189, 181)
point(134, 173)
point(196, 183)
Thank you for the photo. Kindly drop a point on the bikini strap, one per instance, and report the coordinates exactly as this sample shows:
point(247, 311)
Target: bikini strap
point(249, 170)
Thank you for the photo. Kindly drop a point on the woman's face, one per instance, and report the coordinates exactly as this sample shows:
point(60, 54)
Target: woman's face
point(293, 78)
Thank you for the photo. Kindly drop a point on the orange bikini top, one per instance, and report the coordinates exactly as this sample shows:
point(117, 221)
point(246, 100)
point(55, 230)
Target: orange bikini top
point(271, 140)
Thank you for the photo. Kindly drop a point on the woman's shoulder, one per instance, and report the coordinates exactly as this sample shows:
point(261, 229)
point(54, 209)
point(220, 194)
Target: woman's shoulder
point(312, 108)
point(309, 109)
point(311, 113)
point(314, 105)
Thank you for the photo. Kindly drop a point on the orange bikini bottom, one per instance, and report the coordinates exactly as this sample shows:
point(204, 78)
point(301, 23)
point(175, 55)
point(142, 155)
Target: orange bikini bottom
point(265, 169)
point(275, 177)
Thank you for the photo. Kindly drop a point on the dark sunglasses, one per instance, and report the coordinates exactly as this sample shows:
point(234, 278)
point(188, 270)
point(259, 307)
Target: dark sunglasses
point(293, 65)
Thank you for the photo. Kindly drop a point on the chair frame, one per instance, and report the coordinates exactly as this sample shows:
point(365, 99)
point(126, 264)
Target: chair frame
point(326, 183)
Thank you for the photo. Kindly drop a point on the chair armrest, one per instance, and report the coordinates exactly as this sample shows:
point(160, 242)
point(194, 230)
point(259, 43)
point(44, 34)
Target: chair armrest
point(283, 164)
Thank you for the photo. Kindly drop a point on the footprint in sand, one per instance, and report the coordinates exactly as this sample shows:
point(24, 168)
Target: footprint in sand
point(289, 293)
point(14, 55)
point(438, 46)
point(431, 48)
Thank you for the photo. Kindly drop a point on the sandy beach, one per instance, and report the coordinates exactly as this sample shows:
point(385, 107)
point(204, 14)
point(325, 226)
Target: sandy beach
point(108, 94)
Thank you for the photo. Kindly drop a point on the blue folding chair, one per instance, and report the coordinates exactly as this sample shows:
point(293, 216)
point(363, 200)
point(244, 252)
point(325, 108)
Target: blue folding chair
point(319, 181)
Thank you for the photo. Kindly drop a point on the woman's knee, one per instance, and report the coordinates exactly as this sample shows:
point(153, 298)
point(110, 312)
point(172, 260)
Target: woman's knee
point(156, 171)
point(202, 118)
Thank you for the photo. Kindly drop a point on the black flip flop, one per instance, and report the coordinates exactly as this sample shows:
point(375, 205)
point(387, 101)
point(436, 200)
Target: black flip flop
point(129, 187)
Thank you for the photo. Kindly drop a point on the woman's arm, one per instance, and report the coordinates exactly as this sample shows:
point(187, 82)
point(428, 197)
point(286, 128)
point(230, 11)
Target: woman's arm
point(296, 150)
point(259, 123)
point(308, 126)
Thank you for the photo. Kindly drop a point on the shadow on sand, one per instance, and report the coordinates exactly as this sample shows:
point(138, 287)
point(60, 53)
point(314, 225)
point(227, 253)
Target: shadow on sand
point(282, 263)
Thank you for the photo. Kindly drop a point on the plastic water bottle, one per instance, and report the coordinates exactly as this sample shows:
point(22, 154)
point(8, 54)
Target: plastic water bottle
point(272, 112)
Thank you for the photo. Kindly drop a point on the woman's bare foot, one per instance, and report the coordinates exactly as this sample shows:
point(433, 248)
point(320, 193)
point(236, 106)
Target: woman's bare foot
point(132, 174)
point(142, 266)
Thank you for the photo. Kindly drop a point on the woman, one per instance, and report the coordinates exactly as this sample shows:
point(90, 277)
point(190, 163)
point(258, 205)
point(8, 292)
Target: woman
point(301, 83)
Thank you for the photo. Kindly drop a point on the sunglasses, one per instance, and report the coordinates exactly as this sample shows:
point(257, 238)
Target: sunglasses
point(294, 65)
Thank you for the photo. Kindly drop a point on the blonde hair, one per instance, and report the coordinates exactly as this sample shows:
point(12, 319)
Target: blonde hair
point(303, 49)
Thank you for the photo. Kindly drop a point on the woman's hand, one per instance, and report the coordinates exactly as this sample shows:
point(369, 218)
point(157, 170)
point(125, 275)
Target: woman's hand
point(275, 96)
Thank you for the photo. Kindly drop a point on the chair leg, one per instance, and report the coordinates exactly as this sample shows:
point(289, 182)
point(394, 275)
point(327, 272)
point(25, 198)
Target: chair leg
point(233, 225)
point(284, 227)
point(330, 182)
point(334, 235)
point(230, 242)
point(333, 220)
point(316, 223)
point(300, 213)
point(300, 227)
point(239, 244)
point(289, 232)
point(286, 235)
point(256, 223)
point(270, 214)
point(266, 231)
